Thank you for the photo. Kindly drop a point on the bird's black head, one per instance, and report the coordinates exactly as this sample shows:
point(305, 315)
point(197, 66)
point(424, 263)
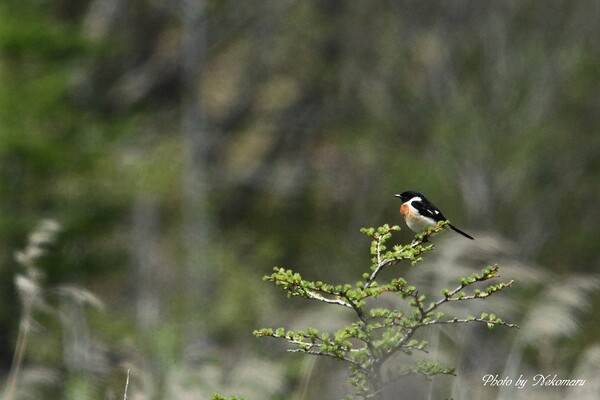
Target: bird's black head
point(406, 196)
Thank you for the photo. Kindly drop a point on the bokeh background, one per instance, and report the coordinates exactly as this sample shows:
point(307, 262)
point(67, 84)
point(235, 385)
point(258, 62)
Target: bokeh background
point(187, 147)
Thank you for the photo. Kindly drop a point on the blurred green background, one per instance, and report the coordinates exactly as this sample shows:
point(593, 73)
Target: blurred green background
point(187, 147)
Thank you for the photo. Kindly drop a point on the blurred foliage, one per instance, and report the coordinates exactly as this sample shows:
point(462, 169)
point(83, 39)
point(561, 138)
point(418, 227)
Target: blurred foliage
point(317, 112)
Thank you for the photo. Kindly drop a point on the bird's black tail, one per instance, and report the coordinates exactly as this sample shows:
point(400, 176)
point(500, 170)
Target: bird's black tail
point(455, 229)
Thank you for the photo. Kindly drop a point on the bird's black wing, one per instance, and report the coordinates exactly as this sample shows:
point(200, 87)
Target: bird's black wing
point(427, 209)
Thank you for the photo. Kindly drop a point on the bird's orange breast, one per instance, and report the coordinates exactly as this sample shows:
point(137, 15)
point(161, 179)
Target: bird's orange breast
point(404, 210)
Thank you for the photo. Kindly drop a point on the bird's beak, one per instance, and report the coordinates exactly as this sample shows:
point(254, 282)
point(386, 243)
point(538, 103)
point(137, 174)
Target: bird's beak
point(398, 196)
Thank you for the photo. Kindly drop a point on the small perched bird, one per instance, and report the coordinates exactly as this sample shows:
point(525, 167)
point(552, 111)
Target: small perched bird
point(420, 214)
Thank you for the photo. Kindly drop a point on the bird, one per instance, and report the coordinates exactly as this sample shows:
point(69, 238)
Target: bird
point(420, 214)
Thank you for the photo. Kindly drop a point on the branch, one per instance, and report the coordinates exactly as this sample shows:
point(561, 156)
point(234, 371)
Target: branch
point(378, 333)
point(306, 347)
point(296, 286)
point(380, 265)
point(427, 369)
point(381, 236)
point(408, 331)
point(126, 385)
point(468, 320)
point(488, 273)
point(314, 296)
point(332, 355)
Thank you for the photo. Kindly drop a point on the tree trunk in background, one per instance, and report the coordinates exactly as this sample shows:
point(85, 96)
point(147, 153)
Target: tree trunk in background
point(196, 221)
point(148, 261)
point(101, 16)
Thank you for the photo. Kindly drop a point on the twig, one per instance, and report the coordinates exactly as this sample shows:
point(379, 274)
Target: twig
point(337, 357)
point(381, 263)
point(15, 369)
point(469, 320)
point(126, 385)
point(315, 296)
point(449, 296)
